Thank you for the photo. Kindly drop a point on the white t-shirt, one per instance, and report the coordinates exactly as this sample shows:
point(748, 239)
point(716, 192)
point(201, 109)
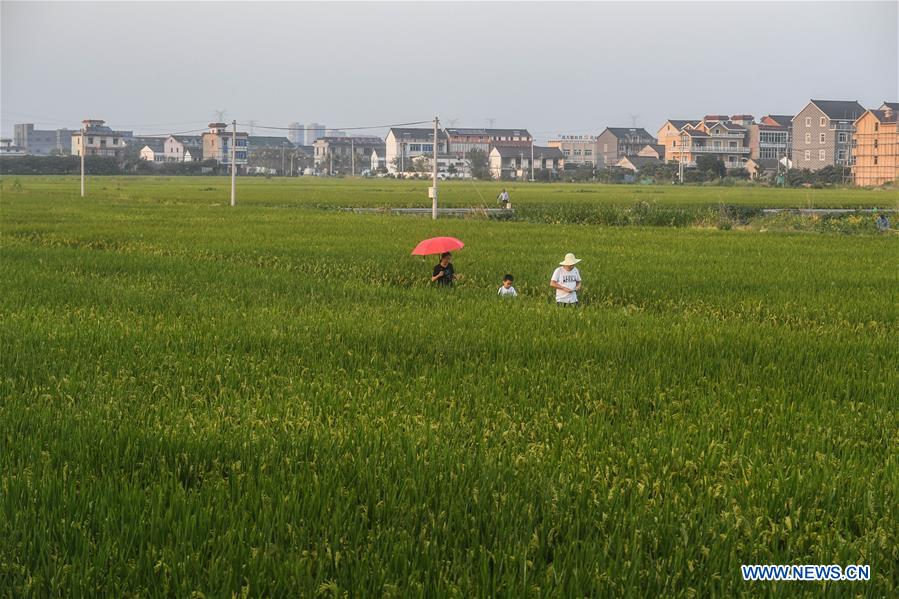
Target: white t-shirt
point(510, 291)
point(568, 279)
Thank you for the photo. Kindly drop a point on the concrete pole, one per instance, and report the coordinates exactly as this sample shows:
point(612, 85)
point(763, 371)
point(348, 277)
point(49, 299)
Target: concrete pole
point(434, 195)
point(234, 163)
point(83, 150)
point(532, 160)
point(353, 156)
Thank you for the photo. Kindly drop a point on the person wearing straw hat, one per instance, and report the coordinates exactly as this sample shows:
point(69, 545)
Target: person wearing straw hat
point(566, 280)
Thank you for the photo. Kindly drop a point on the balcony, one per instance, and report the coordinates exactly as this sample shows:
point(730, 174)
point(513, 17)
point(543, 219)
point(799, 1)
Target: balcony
point(726, 135)
point(713, 150)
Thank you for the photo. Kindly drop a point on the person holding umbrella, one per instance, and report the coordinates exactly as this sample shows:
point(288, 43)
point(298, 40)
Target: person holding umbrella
point(566, 280)
point(444, 273)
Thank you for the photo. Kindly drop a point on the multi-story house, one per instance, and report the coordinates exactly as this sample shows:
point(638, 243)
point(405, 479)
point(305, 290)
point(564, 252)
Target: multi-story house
point(511, 162)
point(579, 150)
point(42, 142)
point(822, 133)
point(7, 148)
point(770, 138)
point(876, 146)
point(615, 143)
point(463, 140)
point(96, 139)
point(153, 151)
point(183, 148)
point(404, 144)
point(217, 145)
point(670, 134)
point(355, 151)
point(715, 135)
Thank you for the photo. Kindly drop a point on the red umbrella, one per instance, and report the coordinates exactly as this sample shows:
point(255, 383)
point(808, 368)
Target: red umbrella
point(437, 245)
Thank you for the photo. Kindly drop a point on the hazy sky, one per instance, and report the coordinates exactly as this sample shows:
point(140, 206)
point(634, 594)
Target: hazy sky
point(551, 67)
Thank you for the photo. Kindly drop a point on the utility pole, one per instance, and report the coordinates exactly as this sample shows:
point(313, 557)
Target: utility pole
point(353, 156)
point(83, 140)
point(291, 163)
point(282, 161)
point(234, 163)
point(330, 163)
point(434, 188)
point(532, 160)
point(680, 165)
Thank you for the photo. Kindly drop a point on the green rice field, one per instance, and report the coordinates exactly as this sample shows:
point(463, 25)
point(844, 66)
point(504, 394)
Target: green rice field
point(273, 401)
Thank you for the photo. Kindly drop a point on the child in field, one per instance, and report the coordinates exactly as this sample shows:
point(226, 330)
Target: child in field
point(506, 289)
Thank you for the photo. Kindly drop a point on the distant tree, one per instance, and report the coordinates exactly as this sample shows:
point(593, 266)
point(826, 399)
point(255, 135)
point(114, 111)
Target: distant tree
point(479, 163)
point(421, 165)
point(661, 172)
point(711, 167)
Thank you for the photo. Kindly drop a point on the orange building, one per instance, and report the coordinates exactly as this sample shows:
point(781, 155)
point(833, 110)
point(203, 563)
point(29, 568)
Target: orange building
point(876, 146)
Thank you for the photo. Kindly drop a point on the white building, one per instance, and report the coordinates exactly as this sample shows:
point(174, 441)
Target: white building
point(98, 139)
point(404, 144)
point(153, 152)
point(176, 147)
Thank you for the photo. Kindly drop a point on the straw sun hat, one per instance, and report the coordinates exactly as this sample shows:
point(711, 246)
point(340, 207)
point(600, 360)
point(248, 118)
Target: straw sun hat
point(569, 260)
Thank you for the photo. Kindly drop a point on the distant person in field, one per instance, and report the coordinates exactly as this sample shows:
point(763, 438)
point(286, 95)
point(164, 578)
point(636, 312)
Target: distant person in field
point(566, 280)
point(503, 198)
point(882, 222)
point(444, 273)
point(506, 289)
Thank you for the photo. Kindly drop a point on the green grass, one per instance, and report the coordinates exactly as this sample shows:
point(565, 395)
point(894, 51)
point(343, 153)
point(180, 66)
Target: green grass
point(275, 402)
point(319, 191)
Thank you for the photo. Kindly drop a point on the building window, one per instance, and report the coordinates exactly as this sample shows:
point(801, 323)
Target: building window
point(842, 138)
point(841, 155)
point(808, 154)
point(808, 121)
point(821, 138)
point(876, 127)
point(808, 138)
point(577, 152)
point(590, 152)
point(875, 161)
point(605, 147)
point(90, 140)
point(875, 144)
point(821, 155)
point(823, 121)
point(566, 152)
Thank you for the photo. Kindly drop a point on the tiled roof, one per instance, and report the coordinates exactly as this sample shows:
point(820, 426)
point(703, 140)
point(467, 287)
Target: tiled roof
point(621, 132)
point(840, 109)
point(415, 133)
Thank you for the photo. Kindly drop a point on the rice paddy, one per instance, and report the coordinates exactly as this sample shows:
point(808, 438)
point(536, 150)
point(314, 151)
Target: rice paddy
point(272, 400)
